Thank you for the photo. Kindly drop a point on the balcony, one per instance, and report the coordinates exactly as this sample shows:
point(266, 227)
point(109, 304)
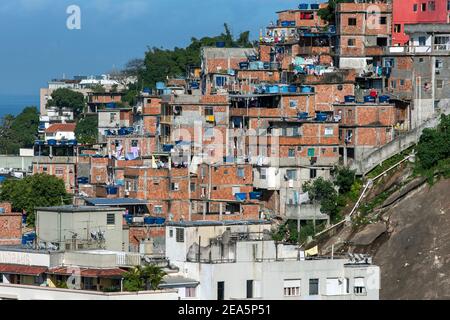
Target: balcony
point(431, 49)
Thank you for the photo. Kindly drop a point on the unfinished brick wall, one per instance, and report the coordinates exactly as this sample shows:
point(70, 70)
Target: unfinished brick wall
point(6, 206)
point(99, 170)
point(10, 229)
point(137, 234)
point(327, 94)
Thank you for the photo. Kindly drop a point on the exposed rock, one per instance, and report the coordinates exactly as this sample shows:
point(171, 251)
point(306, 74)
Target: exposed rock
point(369, 234)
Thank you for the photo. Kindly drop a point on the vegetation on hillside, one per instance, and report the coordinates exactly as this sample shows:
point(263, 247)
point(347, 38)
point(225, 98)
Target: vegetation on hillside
point(39, 190)
point(66, 98)
point(87, 130)
point(332, 196)
point(433, 150)
point(18, 132)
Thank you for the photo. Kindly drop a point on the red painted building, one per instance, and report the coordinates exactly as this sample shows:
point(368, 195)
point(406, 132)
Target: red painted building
point(414, 12)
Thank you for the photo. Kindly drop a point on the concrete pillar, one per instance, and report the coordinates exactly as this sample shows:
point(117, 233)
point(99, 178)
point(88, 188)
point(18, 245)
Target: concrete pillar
point(345, 156)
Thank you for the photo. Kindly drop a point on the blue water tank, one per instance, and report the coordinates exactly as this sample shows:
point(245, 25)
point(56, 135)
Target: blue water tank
point(384, 99)
point(321, 117)
point(314, 6)
point(147, 90)
point(303, 6)
point(284, 88)
point(111, 105)
point(220, 44)
point(83, 180)
point(285, 24)
point(292, 89)
point(39, 142)
point(2, 179)
point(255, 195)
point(306, 89)
point(160, 85)
point(52, 142)
point(160, 220)
point(63, 142)
point(266, 65)
point(350, 99)
point(241, 196)
point(149, 220)
point(244, 65)
point(73, 142)
point(303, 115)
point(274, 89)
point(369, 99)
point(112, 190)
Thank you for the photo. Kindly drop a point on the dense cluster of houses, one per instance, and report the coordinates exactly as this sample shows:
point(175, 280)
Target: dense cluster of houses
point(232, 144)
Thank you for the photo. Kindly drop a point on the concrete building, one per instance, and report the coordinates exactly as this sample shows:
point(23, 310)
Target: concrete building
point(31, 274)
point(239, 261)
point(74, 228)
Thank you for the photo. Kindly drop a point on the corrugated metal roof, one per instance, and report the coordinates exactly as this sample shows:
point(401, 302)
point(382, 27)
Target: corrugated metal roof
point(115, 202)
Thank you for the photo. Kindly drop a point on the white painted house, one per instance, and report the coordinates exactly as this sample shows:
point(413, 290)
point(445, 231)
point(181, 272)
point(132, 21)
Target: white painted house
point(60, 131)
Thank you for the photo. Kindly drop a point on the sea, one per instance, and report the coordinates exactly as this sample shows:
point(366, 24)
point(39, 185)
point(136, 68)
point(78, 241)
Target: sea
point(14, 104)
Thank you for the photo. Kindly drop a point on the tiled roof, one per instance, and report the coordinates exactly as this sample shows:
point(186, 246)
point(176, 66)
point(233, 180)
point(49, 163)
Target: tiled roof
point(21, 269)
point(89, 272)
point(61, 127)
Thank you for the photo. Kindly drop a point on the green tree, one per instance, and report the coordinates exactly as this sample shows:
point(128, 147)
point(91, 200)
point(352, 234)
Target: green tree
point(39, 190)
point(66, 98)
point(323, 192)
point(86, 130)
point(133, 281)
point(345, 178)
point(329, 12)
point(143, 278)
point(19, 132)
point(434, 144)
point(98, 88)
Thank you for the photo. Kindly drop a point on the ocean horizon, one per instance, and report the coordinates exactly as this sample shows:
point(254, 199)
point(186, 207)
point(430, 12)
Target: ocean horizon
point(14, 104)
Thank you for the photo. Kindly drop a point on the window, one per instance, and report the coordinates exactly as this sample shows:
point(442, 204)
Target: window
point(359, 288)
point(292, 288)
point(192, 187)
point(329, 131)
point(311, 152)
point(220, 290)
point(295, 132)
point(134, 143)
point(402, 82)
point(263, 173)
point(180, 235)
point(293, 103)
point(191, 292)
point(422, 41)
point(424, 7)
point(313, 173)
point(291, 153)
point(249, 289)
point(439, 64)
point(171, 233)
point(448, 5)
point(313, 287)
point(415, 7)
point(158, 210)
point(174, 187)
point(397, 28)
point(440, 84)
point(110, 219)
point(209, 111)
point(241, 172)
point(383, 20)
point(59, 171)
point(291, 174)
point(431, 5)
point(382, 42)
point(112, 117)
point(352, 21)
point(351, 42)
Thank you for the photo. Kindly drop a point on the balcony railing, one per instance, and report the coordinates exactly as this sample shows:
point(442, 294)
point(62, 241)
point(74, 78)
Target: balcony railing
point(438, 48)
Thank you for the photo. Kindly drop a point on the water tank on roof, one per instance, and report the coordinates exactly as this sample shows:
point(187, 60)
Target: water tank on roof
point(244, 65)
point(220, 44)
point(307, 89)
point(350, 99)
point(314, 6)
point(160, 85)
point(384, 99)
point(321, 117)
point(303, 6)
point(52, 142)
point(369, 99)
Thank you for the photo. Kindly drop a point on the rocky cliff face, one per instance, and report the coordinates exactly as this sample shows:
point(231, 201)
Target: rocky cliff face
point(414, 254)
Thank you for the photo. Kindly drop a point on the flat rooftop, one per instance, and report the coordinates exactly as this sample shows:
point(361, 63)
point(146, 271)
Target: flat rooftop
point(78, 209)
point(103, 202)
point(188, 224)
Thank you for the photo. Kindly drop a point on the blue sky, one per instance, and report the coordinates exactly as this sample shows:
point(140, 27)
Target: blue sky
point(37, 46)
